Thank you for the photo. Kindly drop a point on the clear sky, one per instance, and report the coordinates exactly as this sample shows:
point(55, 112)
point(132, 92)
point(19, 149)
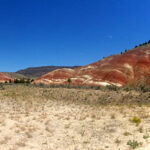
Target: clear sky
point(69, 32)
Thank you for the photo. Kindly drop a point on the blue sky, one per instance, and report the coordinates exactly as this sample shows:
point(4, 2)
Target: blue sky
point(69, 32)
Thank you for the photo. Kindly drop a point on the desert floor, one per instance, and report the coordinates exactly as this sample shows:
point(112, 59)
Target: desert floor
point(33, 118)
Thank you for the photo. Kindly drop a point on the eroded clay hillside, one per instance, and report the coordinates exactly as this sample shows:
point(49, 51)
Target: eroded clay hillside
point(4, 78)
point(114, 70)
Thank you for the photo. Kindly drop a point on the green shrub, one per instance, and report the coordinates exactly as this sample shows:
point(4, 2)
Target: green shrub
point(136, 120)
point(23, 80)
point(145, 136)
point(133, 144)
point(69, 81)
point(112, 87)
point(128, 88)
point(145, 89)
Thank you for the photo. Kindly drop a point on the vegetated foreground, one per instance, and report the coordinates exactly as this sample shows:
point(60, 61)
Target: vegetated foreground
point(72, 119)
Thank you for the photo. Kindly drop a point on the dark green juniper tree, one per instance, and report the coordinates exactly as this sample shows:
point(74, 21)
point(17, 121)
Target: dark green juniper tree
point(69, 81)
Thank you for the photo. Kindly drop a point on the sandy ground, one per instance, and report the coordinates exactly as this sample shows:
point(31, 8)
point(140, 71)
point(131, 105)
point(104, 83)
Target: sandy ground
point(32, 121)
